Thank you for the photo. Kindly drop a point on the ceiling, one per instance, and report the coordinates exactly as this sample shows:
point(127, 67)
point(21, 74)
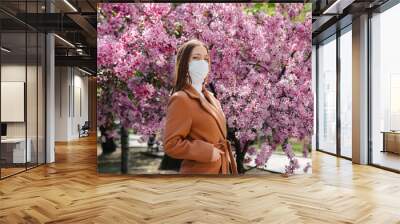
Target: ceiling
point(73, 21)
point(330, 15)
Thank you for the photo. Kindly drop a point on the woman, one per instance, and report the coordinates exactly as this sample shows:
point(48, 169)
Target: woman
point(195, 128)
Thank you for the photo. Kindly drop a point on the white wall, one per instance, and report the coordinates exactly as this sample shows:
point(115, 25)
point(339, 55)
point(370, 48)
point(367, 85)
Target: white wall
point(61, 103)
point(71, 94)
point(33, 126)
point(14, 72)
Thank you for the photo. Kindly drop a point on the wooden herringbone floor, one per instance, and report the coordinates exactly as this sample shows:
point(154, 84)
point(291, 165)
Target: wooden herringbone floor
point(71, 191)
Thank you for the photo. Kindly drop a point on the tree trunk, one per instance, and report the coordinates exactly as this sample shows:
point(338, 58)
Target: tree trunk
point(239, 161)
point(124, 150)
point(240, 153)
point(107, 143)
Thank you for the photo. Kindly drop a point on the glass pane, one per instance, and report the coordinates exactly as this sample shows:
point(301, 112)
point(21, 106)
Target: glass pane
point(13, 87)
point(346, 94)
point(31, 98)
point(23, 87)
point(41, 98)
point(386, 89)
point(327, 96)
point(314, 82)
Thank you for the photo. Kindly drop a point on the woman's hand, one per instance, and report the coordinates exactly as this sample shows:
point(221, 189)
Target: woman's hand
point(216, 154)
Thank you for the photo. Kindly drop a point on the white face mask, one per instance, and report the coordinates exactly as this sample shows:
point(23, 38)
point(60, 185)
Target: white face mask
point(198, 70)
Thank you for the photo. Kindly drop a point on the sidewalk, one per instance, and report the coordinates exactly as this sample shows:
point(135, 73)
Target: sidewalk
point(277, 163)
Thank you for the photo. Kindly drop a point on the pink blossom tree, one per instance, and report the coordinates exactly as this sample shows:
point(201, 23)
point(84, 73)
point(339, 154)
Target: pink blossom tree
point(261, 69)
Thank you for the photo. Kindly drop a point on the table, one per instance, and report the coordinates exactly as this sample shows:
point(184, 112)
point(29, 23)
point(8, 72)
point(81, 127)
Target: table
point(13, 150)
point(391, 141)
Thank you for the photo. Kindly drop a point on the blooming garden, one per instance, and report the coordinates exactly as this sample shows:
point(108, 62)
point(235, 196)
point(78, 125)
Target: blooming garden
point(260, 70)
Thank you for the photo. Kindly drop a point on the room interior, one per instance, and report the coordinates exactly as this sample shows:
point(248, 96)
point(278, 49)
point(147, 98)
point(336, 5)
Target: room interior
point(39, 108)
point(22, 101)
point(337, 86)
point(345, 186)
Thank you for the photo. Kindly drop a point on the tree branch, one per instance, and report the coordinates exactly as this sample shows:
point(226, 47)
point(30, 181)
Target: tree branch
point(257, 64)
point(284, 67)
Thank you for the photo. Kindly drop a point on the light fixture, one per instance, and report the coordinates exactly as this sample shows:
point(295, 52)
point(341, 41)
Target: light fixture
point(5, 50)
point(64, 40)
point(70, 5)
point(79, 51)
point(84, 71)
point(337, 7)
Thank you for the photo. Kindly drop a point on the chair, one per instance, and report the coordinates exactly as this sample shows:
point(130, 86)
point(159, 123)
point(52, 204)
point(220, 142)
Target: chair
point(84, 130)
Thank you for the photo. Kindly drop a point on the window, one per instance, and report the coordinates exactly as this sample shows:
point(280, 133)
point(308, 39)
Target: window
point(327, 95)
point(385, 88)
point(22, 76)
point(346, 92)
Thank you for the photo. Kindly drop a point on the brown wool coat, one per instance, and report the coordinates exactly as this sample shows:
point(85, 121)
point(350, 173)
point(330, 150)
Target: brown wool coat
point(193, 127)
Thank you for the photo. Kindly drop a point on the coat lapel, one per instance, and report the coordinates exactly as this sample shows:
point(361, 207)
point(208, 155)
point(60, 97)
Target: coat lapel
point(211, 107)
point(218, 111)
